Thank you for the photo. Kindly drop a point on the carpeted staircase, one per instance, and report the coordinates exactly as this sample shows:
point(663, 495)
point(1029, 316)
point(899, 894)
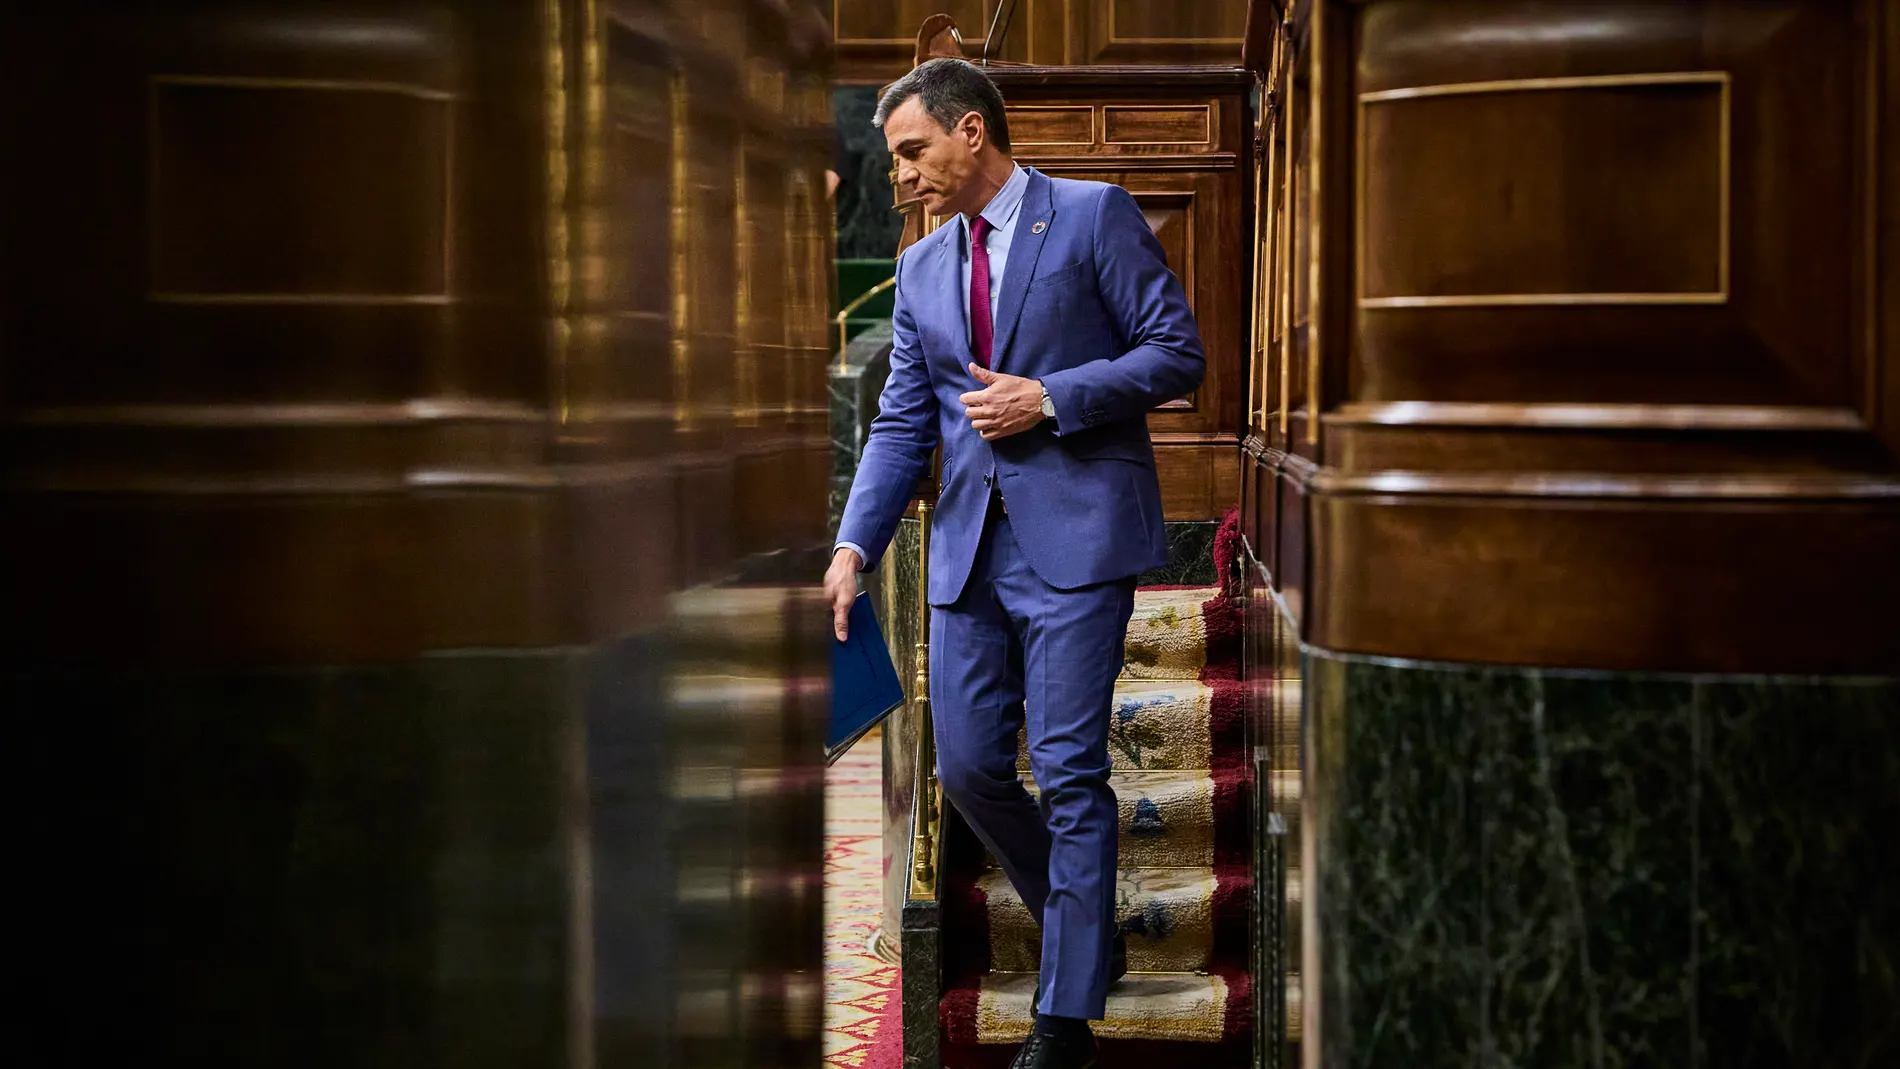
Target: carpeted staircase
point(1177, 745)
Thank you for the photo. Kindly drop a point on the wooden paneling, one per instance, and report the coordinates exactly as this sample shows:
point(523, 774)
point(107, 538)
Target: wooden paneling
point(1879, 333)
point(1662, 326)
point(1135, 31)
point(875, 38)
point(340, 346)
point(1594, 572)
point(1495, 223)
point(1190, 126)
point(245, 204)
point(1066, 127)
point(1171, 215)
point(1140, 20)
point(1596, 323)
point(1199, 481)
point(412, 456)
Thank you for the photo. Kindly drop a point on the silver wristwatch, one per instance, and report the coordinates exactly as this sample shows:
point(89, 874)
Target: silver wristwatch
point(1048, 405)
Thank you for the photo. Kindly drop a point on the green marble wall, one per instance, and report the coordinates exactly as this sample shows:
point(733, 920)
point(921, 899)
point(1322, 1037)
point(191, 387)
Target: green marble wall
point(1527, 868)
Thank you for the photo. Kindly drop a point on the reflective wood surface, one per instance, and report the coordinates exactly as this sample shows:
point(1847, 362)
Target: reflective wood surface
point(874, 37)
point(1586, 306)
point(415, 452)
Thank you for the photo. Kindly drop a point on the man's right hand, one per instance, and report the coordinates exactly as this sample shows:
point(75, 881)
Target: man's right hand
point(841, 589)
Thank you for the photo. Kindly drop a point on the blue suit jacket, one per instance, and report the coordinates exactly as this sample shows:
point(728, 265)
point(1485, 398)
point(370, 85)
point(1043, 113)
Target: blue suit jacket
point(1088, 306)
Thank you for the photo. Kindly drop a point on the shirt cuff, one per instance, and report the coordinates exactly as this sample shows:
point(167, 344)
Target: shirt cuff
point(863, 557)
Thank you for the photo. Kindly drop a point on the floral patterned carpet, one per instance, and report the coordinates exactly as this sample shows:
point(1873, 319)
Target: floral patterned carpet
point(1177, 748)
point(863, 1018)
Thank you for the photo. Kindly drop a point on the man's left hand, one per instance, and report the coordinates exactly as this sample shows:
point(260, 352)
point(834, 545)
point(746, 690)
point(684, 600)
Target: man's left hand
point(1006, 405)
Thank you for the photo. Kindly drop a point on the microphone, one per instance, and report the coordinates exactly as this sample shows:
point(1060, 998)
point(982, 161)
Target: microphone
point(994, 39)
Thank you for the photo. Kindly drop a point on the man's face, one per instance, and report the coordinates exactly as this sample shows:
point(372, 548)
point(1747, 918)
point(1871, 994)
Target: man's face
point(940, 164)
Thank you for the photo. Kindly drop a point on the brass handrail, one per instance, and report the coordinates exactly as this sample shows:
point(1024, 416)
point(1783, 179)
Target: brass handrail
point(1284, 258)
point(857, 303)
point(927, 809)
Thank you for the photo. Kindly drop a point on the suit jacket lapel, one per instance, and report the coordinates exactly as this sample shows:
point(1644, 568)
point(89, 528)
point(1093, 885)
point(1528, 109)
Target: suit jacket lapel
point(950, 262)
point(1024, 247)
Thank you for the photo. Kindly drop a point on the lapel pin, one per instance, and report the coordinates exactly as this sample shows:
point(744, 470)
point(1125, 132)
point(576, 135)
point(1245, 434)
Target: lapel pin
point(1039, 227)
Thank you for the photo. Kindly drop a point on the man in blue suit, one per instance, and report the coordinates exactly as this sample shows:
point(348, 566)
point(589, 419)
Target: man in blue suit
point(1033, 333)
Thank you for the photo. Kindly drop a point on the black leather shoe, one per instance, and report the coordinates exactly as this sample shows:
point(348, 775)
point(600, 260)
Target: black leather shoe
point(1117, 968)
point(1048, 1052)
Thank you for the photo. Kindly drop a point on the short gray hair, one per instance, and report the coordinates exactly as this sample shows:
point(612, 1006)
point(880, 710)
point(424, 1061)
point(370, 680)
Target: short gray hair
point(949, 89)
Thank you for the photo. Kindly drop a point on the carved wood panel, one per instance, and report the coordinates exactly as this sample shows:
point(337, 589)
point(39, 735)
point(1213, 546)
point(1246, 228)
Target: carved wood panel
point(1540, 308)
point(1136, 31)
point(875, 38)
point(1174, 212)
point(379, 460)
point(351, 296)
point(1464, 208)
point(1627, 229)
point(243, 203)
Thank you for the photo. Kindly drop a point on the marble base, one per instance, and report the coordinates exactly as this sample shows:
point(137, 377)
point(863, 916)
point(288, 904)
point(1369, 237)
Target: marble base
point(922, 983)
point(1514, 867)
point(1190, 556)
point(855, 386)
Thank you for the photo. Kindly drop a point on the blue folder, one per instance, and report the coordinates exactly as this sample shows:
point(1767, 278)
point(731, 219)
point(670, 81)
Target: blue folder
point(864, 685)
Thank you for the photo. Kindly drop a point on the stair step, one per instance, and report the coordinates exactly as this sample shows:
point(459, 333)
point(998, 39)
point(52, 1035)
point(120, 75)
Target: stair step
point(1180, 769)
point(1170, 916)
point(1178, 1007)
point(1166, 819)
point(1167, 634)
point(1162, 724)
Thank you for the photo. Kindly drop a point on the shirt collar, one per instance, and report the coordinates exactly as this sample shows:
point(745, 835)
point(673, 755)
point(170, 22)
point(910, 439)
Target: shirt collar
point(1002, 207)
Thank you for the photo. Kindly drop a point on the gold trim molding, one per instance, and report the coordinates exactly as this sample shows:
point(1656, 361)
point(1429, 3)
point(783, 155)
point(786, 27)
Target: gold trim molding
point(1724, 224)
point(1044, 109)
point(1210, 122)
point(1113, 39)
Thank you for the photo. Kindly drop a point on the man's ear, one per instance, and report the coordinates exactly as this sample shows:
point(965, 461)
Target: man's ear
point(972, 128)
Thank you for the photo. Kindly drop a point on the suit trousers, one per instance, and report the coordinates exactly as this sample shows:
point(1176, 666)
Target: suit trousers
point(1013, 648)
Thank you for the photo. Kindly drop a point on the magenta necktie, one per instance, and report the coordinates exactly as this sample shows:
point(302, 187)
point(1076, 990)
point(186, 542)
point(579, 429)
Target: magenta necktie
point(982, 333)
